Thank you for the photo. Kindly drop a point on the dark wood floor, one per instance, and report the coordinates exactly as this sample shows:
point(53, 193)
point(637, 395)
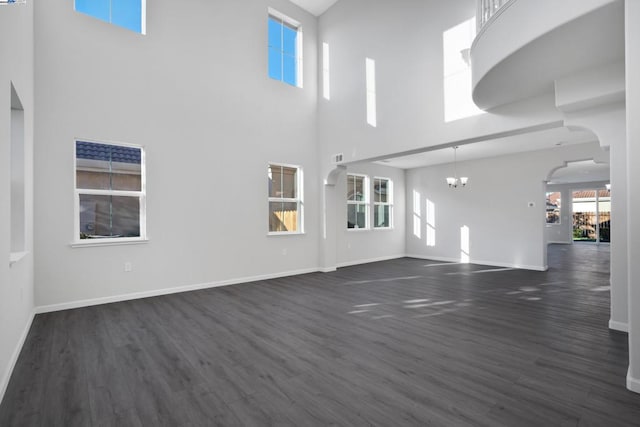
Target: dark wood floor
point(404, 342)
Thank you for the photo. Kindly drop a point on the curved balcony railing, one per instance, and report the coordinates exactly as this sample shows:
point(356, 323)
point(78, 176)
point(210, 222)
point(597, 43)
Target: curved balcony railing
point(486, 9)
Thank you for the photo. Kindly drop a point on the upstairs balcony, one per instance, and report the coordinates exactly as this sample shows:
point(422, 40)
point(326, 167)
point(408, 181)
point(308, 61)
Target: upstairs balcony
point(524, 46)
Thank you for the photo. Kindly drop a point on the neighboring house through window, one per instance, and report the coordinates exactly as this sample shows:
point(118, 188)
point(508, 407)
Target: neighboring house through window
point(130, 14)
point(285, 49)
point(357, 201)
point(285, 199)
point(382, 201)
point(553, 207)
point(110, 192)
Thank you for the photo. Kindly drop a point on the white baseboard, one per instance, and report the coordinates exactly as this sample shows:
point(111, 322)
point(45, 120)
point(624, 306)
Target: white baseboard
point(481, 262)
point(618, 326)
point(633, 384)
point(166, 291)
point(327, 269)
point(14, 357)
point(370, 260)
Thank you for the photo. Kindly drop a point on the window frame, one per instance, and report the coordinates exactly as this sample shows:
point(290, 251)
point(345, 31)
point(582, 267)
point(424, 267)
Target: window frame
point(388, 203)
point(559, 207)
point(366, 202)
point(143, 17)
point(299, 200)
point(141, 195)
point(287, 21)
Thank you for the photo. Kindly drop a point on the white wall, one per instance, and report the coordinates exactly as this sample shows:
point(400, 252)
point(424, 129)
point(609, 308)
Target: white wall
point(358, 246)
point(503, 229)
point(404, 37)
point(632, 39)
point(194, 92)
point(16, 281)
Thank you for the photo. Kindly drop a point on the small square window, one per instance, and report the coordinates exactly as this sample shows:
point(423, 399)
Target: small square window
point(284, 49)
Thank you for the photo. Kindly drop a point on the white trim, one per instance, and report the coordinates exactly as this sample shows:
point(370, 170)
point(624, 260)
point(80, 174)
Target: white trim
point(108, 241)
point(167, 291)
point(284, 18)
point(328, 269)
point(298, 200)
point(388, 203)
point(618, 326)
point(143, 17)
point(285, 233)
point(141, 194)
point(368, 261)
point(4, 383)
point(633, 384)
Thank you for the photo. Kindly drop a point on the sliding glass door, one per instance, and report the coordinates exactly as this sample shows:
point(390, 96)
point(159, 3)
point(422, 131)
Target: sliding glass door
point(592, 215)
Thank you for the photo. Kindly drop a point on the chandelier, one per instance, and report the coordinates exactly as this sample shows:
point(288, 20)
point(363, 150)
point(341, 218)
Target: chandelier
point(454, 181)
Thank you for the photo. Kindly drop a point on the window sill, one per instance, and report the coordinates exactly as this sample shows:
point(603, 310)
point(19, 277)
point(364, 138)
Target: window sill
point(358, 229)
point(285, 233)
point(15, 257)
point(383, 228)
point(108, 242)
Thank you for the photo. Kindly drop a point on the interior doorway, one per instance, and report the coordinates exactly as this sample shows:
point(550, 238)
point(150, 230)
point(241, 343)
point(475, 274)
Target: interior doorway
point(592, 215)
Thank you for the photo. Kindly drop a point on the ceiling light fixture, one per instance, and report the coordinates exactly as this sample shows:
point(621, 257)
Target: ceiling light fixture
point(454, 181)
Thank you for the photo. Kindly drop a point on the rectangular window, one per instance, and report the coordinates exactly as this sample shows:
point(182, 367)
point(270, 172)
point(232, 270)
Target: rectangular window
point(110, 192)
point(371, 92)
point(285, 49)
point(326, 72)
point(285, 199)
point(553, 208)
point(382, 203)
point(357, 201)
point(130, 14)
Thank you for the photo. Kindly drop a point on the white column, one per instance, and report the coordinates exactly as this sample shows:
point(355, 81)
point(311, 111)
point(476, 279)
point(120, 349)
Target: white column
point(632, 48)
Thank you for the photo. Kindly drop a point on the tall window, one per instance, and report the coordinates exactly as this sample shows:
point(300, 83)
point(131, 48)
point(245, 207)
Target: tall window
point(285, 199)
point(130, 14)
point(553, 207)
point(285, 49)
point(357, 201)
point(326, 72)
point(370, 75)
point(110, 192)
point(382, 203)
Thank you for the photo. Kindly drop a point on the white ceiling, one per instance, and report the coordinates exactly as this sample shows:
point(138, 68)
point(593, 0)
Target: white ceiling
point(495, 147)
point(584, 171)
point(315, 7)
point(546, 139)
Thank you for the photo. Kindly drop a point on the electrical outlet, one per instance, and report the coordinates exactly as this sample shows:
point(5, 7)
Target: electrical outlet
point(128, 267)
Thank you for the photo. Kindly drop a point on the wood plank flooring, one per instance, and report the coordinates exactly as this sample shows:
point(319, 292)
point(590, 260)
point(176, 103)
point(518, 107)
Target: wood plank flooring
point(398, 343)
